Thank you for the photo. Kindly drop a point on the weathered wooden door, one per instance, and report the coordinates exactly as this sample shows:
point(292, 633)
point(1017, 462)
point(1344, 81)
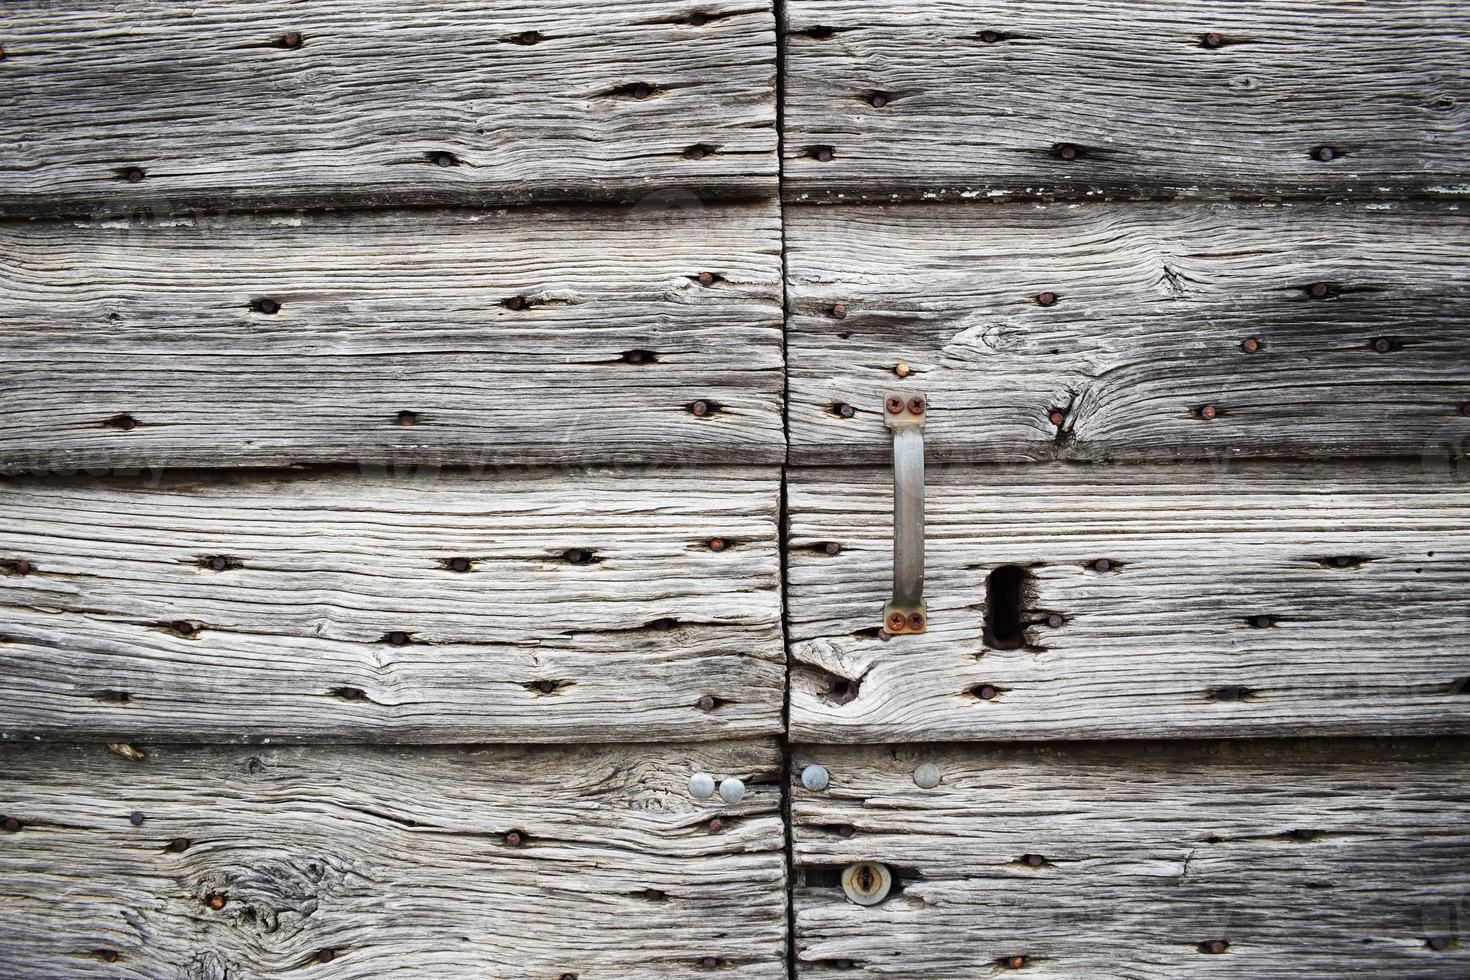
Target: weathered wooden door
point(447, 511)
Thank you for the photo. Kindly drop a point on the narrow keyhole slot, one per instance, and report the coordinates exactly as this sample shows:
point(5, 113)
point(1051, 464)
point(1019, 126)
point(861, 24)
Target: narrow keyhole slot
point(1005, 600)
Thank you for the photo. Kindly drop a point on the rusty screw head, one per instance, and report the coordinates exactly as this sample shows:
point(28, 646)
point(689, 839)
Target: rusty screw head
point(1057, 418)
point(216, 902)
point(23, 567)
point(1250, 345)
point(1382, 345)
point(699, 409)
point(844, 410)
point(896, 622)
point(12, 825)
point(179, 845)
point(135, 818)
point(1055, 621)
point(292, 40)
point(1324, 153)
point(1046, 299)
point(1208, 412)
point(989, 37)
point(1318, 290)
point(514, 839)
point(706, 278)
point(894, 404)
point(917, 405)
point(916, 621)
point(1213, 39)
point(1067, 151)
point(987, 692)
point(839, 311)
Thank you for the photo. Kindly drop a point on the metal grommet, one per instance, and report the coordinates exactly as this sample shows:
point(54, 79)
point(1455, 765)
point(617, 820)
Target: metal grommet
point(701, 786)
point(927, 776)
point(866, 883)
point(814, 778)
point(732, 790)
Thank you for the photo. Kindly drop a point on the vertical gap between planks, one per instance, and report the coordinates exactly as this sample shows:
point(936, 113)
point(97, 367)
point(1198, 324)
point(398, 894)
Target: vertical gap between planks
point(782, 516)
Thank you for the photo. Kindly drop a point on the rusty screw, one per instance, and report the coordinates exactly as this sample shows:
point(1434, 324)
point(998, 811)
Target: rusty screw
point(894, 404)
point(709, 962)
point(916, 621)
point(839, 311)
point(135, 818)
point(216, 902)
point(1057, 418)
point(1046, 299)
point(1318, 290)
point(1055, 621)
point(1250, 345)
point(1208, 412)
point(700, 409)
point(292, 40)
point(916, 405)
point(1382, 345)
point(896, 622)
point(108, 955)
point(1067, 151)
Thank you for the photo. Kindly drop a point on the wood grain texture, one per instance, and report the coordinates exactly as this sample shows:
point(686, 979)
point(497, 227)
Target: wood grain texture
point(395, 861)
point(1166, 642)
point(1153, 306)
point(980, 98)
point(591, 607)
point(1305, 859)
point(213, 108)
point(376, 313)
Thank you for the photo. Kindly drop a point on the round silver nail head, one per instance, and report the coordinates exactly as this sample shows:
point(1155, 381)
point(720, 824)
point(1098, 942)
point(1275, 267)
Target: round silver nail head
point(701, 786)
point(927, 776)
point(814, 778)
point(732, 790)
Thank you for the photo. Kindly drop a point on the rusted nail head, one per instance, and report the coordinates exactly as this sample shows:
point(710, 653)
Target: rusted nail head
point(527, 37)
point(515, 302)
point(706, 703)
point(916, 621)
point(326, 955)
point(1208, 412)
point(12, 825)
point(1213, 39)
point(845, 410)
point(839, 310)
point(109, 955)
point(292, 40)
point(178, 845)
point(1102, 565)
point(216, 902)
point(989, 37)
point(1324, 153)
point(987, 693)
point(715, 825)
point(1067, 151)
point(706, 278)
point(1055, 621)
point(1046, 299)
point(832, 548)
point(135, 818)
point(513, 839)
point(1382, 345)
point(716, 544)
point(407, 418)
point(917, 405)
point(268, 306)
point(709, 962)
point(1216, 946)
point(700, 409)
point(398, 638)
point(1318, 289)
point(1015, 962)
point(1057, 418)
point(23, 567)
point(1250, 345)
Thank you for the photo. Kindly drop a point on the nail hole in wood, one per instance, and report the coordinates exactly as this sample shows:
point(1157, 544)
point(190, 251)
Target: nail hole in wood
point(111, 696)
point(1005, 607)
point(580, 556)
point(123, 422)
point(266, 306)
point(397, 638)
point(546, 686)
point(407, 419)
point(637, 91)
point(525, 38)
point(1213, 946)
point(349, 693)
point(1066, 151)
point(458, 564)
point(1261, 622)
point(817, 32)
point(698, 151)
point(290, 41)
point(1229, 693)
point(220, 563)
point(1326, 154)
point(639, 356)
point(133, 175)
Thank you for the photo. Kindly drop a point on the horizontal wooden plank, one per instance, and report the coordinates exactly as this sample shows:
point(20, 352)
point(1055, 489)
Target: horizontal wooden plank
point(561, 336)
point(360, 862)
point(1302, 860)
point(1157, 313)
point(551, 607)
point(946, 99)
point(159, 107)
point(1266, 599)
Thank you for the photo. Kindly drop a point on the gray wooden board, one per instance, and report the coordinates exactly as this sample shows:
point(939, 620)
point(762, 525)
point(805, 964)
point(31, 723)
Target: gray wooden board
point(214, 110)
point(592, 607)
point(1153, 304)
point(160, 322)
point(395, 861)
point(1306, 859)
point(1166, 642)
point(979, 98)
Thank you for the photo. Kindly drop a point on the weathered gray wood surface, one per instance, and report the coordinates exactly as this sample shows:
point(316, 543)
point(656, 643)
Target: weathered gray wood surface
point(1304, 859)
point(591, 607)
point(143, 343)
point(395, 861)
point(1168, 640)
point(981, 98)
point(1153, 307)
point(213, 108)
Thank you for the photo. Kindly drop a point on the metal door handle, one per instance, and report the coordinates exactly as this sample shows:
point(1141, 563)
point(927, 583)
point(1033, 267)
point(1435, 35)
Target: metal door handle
point(905, 612)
